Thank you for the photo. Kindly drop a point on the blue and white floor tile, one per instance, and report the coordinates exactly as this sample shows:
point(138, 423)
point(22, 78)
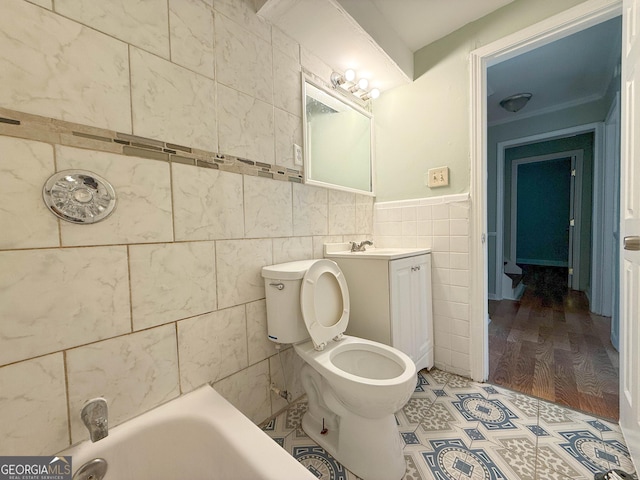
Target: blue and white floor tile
point(456, 429)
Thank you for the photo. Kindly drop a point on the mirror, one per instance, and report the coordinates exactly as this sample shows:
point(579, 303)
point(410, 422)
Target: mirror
point(338, 140)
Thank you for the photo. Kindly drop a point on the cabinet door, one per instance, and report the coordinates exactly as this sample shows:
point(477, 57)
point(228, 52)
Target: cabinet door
point(422, 315)
point(411, 320)
point(401, 304)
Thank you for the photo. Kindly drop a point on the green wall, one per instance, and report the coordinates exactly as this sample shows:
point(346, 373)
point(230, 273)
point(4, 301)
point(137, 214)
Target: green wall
point(426, 124)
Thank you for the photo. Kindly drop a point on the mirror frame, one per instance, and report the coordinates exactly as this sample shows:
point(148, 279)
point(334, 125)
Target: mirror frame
point(306, 79)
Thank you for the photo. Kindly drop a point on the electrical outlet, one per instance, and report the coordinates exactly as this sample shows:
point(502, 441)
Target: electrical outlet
point(437, 177)
point(297, 154)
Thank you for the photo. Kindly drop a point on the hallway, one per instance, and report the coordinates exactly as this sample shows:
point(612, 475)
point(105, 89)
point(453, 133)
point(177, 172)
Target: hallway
point(550, 346)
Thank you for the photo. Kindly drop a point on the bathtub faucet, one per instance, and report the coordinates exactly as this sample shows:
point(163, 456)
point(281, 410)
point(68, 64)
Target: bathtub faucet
point(95, 416)
point(360, 248)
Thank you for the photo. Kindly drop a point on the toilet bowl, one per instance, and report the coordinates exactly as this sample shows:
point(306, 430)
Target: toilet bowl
point(354, 386)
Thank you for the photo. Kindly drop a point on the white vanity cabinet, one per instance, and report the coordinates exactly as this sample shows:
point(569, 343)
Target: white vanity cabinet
point(390, 298)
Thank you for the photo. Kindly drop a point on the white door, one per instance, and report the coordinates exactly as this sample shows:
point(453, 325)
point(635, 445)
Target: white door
point(630, 230)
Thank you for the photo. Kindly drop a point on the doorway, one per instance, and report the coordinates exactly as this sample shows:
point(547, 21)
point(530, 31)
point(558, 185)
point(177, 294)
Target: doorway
point(578, 19)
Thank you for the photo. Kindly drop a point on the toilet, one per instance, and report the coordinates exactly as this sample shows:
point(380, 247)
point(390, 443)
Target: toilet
point(354, 386)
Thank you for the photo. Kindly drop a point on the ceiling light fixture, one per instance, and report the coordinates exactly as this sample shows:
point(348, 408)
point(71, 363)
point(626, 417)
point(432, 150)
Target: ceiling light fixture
point(515, 103)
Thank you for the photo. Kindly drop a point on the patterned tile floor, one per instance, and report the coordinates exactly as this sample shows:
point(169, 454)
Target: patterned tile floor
point(456, 429)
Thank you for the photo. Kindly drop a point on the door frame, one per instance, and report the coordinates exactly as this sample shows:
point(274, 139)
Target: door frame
point(596, 128)
point(554, 28)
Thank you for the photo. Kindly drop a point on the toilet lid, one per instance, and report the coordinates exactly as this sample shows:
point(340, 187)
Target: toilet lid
point(324, 300)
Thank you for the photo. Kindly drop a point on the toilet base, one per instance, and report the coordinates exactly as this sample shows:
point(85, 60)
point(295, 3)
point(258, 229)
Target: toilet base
point(370, 448)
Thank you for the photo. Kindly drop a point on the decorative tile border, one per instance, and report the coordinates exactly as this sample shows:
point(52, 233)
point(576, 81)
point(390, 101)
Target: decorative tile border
point(60, 132)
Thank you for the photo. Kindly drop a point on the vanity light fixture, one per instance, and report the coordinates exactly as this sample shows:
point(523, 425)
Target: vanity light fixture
point(348, 83)
point(337, 79)
point(515, 103)
point(371, 95)
point(361, 84)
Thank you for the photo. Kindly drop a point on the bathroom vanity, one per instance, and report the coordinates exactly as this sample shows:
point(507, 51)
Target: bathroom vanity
point(390, 296)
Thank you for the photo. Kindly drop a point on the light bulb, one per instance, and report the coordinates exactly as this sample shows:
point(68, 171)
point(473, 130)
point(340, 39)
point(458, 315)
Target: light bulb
point(349, 75)
point(374, 93)
point(363, 83)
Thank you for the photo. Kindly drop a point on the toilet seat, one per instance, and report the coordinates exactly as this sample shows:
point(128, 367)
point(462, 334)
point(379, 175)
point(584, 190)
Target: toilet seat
point(324, 301)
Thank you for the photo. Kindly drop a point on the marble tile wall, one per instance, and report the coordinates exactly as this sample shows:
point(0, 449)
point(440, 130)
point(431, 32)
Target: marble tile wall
point(189, 108)
point(442, 224)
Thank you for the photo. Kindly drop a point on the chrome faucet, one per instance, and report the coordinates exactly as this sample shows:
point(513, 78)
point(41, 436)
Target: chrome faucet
point(95, 417)
point(361, 247)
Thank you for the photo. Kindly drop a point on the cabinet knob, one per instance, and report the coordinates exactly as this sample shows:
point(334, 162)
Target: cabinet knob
point(415, 269)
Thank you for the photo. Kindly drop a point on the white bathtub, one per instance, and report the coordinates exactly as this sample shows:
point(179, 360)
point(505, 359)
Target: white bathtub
point(199, 436)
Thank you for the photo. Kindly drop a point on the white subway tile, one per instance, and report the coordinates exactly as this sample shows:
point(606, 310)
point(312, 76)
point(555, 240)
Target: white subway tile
point(291, 381)
point(144, 24)
point(267, 218)
point(459, 244)
point(290, 249)
point(87, 83)
point(171, 103)
point(34, 407)
point(259, 345)
point(143, 191)
point(342, 212)
point(208, 204)
point(310, 210)
point(287, 89)
point(191, 29)
point(244, 61)
point(60, 298)
point(409, 214)
point(24, 219)
point(245, 125)
point(459, 226)
point(459, 261)
point(239, 267)
point(255, 379)
point(243, 12)
point(440, 212)
point(288, 131)
point(134, 373)
point(171, 281)
point(212, 346)
point(441, 227)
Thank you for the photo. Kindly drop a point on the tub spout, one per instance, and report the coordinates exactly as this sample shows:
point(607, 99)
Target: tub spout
point(95, 417)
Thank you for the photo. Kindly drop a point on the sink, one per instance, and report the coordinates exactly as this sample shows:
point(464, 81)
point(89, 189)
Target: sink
point(343, 250)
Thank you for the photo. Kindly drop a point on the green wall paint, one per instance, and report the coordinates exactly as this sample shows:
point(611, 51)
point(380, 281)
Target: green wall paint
point(426, 123)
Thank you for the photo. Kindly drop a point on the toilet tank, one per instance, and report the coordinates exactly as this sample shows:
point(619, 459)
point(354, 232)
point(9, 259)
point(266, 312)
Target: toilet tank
point(282, 284)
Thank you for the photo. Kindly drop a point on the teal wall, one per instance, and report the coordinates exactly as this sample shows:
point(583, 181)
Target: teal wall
point(543, 206)
point(582, 142)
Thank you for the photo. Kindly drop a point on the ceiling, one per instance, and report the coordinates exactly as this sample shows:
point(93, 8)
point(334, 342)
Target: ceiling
point(421, 22)
point(377, 38)
point(570, 71)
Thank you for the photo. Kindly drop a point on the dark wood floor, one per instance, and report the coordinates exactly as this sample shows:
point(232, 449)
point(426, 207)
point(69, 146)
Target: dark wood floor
point(550, 346)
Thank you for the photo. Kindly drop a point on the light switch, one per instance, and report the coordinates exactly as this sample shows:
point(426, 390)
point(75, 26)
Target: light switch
point(437, 177)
